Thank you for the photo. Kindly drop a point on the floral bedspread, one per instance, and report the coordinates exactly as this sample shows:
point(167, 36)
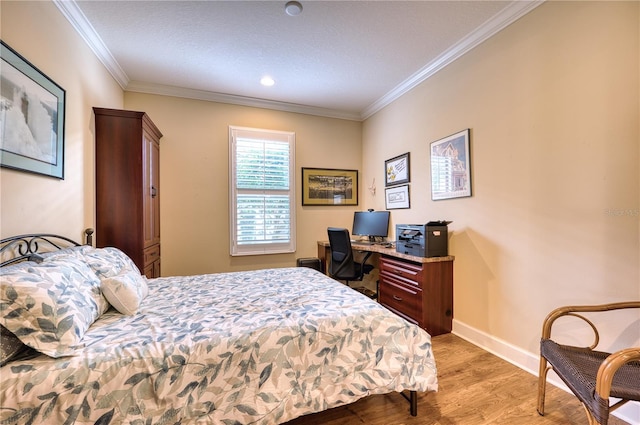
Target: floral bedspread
point(258, 347)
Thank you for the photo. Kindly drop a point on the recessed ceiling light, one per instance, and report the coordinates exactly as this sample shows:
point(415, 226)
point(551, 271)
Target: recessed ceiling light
point(267, 81)
point(293, 8)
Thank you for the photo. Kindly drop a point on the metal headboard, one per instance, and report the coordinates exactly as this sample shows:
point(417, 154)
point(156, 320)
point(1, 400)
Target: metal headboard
point(19, 248)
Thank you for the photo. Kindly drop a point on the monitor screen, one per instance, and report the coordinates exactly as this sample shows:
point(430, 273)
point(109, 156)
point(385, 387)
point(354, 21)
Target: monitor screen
point(371, 223)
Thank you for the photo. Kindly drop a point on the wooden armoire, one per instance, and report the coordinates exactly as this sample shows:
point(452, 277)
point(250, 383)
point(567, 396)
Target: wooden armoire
point(127, 186)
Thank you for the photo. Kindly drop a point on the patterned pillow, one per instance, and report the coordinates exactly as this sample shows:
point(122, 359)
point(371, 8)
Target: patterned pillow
point(17, 266)
point(109, 262)
point(75, 256)
point(125, 291)
point(10, 346)
point(105, 262)
point(76, 251)
point(49, 306)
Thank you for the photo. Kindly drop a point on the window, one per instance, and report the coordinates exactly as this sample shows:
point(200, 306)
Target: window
point(262, 195)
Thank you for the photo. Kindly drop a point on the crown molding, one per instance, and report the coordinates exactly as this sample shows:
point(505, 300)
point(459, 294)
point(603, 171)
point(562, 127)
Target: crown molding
point(506, 17)
point(79, 21)
point(497, 23)
point(149, 88)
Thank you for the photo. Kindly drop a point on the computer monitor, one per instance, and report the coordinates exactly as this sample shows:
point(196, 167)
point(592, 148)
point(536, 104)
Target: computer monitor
point(373, 224)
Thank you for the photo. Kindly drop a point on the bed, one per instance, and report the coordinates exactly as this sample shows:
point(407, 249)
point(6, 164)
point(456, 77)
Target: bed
point(88, 340)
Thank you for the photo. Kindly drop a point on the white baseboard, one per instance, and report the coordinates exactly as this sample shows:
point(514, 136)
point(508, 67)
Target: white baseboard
point(529, 362)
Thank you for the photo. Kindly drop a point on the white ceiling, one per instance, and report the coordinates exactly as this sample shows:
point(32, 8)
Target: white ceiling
point(345, 59)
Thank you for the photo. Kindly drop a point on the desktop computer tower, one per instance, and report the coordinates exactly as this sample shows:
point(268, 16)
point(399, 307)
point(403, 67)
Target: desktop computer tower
point(313, 263)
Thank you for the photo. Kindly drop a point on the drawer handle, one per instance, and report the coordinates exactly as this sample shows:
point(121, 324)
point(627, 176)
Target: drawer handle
point(397, 298)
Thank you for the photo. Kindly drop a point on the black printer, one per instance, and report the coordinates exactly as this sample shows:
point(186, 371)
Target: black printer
point(423, 240)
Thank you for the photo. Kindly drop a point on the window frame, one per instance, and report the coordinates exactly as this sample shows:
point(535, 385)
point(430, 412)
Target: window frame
point(235, 249)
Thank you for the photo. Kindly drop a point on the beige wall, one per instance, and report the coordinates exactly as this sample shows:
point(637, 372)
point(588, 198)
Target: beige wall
point(553, 106)
point(194, 178)
point(194, 155)
point(31, 203)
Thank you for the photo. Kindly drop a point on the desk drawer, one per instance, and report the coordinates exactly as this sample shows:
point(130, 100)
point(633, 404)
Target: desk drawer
point(405, 299)
point(408, 273)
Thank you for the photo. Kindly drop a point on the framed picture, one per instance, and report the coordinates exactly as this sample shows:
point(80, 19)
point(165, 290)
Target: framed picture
point(31, 117)
point(326, 186)
point(397, 197)
point(450, 167)
point(396, 170)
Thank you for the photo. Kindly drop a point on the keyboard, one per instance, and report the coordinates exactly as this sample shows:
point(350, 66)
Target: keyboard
point(363, 242)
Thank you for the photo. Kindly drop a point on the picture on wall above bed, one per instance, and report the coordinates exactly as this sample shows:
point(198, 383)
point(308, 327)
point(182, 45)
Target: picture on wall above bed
point(450, 167)
point(31, 117)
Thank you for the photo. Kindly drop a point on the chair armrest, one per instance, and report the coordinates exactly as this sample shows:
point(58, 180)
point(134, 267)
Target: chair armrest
point(365, 258)
point(575, 310)
point(610, 366)
point(363, 262)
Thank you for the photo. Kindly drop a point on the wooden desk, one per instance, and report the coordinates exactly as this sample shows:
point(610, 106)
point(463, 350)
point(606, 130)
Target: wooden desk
point(418, 289)
point(324, 253)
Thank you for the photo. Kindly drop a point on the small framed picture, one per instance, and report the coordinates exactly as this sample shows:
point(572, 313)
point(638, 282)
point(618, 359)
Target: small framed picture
point(397, 197)
point(396, 170)
point(451, 167)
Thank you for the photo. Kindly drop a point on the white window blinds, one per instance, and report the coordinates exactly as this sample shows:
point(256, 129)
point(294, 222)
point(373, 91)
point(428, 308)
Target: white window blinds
point(262, 200)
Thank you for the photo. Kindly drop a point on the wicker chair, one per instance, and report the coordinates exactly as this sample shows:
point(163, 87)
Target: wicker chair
point(593, 376)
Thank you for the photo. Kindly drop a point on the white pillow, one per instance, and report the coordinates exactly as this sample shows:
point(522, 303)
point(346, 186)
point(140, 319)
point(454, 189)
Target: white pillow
point(125, 291)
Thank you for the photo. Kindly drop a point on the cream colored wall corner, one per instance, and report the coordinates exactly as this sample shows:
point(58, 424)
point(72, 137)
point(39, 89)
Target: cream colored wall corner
point(31, 203)
point(194, 179)
point(552, 104)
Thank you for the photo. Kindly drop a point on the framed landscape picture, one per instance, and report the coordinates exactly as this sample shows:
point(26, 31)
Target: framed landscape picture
point(450, 167)
point(326, 186)
point(31, 117)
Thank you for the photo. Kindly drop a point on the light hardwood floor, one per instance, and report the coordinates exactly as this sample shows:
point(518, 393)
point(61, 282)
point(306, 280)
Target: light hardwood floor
point(475, 388)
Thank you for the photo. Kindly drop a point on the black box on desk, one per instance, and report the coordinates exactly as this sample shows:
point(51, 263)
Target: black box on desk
point(423, 240)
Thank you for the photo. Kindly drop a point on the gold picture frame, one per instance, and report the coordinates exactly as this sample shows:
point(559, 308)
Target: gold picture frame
point(328, 186)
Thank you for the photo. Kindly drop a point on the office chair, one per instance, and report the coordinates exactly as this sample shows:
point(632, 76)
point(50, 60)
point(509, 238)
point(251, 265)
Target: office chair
point(343, 266)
